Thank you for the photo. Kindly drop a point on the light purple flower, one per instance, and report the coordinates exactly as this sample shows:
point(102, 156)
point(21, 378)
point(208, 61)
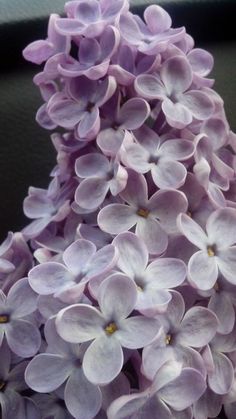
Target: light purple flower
point(11, 384)
point(63, 362)
point(39, 51)
point(81, 264)
point(110, 329)
point(162, 159)
point(125, 71)
point(154, 36)
point(153, 280)
point(22, 336)
point(93, 56)
point(45, 206)
point(208, 405)
point(179, 104)
point(121, 119)
point(90, 17)
point(100, 175)
point(172, 387)
point(154, 218)
point(219, 368)
point(216, 253)
point(181, 334)
point(81, 108)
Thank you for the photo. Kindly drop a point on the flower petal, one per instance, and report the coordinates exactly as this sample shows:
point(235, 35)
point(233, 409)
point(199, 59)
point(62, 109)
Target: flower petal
point(133, 254)
point(91, 193)
point(116, 218)
point(221, 227)
point(165, 273)
point(111, 297)
point(168, 174)
point(22, 298)
point(176, 74)
point(203, 270)
point(133, 113)
point(198, 327)
point(78, 254)
point(82, 399)
point(91, 165)
point(190, 229)
point(221, 379)
point(50, 277)
point(137, 332)
point(103, 360)
point(226, 261)
point(198, 103)
point(221, 304)
point(79, 323)
point(184, 390)
point(153, 235)
point(46, 372)
point(23, 338)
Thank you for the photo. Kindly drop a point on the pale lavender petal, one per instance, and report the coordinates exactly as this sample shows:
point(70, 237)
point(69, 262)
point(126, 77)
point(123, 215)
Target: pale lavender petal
point(137, 183)
point(50, 277)
point(133, 113)
point(221, 227)
point(89, 124)
point(129, 406)
point(96, 367)
point(221, 379)
point(65, 113)
point(22, 298)
point(203, 270)
point(91, 192)
point(221, 304)
point(116, 218)
point(88, 12)
point(79, 323)
point(177, 115)
point(12, 405)
point(153, 235)
point(176, 74)
point(78, 254)
point(209, 405)
point(201, 61)
point(133, 254)
point(152, 301)
point(90, 165)
point(137, 158)
point(176, 309)
point(82, 399)
point(157, 19)
point(168, 174)
point(165, 273)
point(184, 390)
point(110, 141)
point(226, 261)
point(137, 332)
point(38, 51)
point(23, 338)
point(177, 149)
point(46, 372)
point(198, 103)
point(111, 297)
point(166, 214)
point(43, 118)
point(198, 327)
point(118, 387)
point(103, 261)
point(149, 87)
point(190, 229)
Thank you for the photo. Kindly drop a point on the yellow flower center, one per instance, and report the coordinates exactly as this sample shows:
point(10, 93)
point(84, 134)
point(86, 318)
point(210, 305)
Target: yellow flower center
point(139, 288)
point(210, 251)
point(4, 318)
point(168, 339)
point(143, 212)
point(111, 328)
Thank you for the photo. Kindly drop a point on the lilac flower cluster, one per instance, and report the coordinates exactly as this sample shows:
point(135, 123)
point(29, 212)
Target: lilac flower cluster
point(118, 299)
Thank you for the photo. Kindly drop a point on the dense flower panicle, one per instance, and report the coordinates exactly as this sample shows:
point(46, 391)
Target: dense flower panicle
point(118, 299)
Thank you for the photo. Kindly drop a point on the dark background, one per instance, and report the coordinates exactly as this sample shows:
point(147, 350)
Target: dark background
point(26, 153)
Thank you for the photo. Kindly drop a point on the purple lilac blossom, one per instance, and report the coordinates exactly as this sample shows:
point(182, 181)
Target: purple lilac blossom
point(118, 298)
